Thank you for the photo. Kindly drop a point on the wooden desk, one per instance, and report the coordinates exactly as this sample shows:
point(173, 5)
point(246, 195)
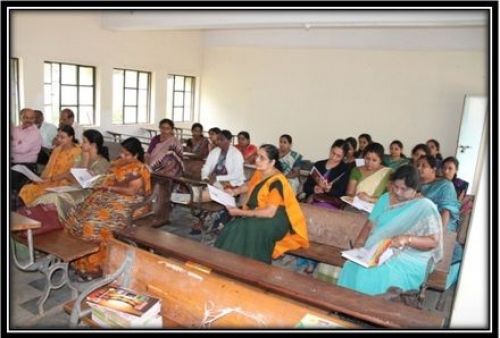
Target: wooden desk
point(20, 222)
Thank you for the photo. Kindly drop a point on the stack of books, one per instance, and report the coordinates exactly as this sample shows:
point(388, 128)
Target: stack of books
point(116, 307)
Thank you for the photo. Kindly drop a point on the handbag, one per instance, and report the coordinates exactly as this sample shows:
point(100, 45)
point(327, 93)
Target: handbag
point(45, 214)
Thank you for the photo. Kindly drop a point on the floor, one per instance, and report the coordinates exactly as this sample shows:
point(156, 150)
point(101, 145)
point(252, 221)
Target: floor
point(26, 287)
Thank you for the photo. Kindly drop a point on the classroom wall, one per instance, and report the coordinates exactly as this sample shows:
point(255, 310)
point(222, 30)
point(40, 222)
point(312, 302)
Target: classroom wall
point(77, 37)
point(318, 95)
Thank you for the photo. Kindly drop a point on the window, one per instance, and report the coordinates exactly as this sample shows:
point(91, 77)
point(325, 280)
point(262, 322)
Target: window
point(69, 86)
point(131, 96)
point(14, 91)
point(180, 97)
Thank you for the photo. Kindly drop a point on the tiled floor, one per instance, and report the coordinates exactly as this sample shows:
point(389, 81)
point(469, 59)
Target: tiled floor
point(25, 288)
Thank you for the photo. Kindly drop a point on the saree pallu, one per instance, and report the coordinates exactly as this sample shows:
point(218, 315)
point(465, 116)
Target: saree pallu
point(103, 212)
point(167, 158)
point(375, 184)
point(290, 161)
point(60, 162)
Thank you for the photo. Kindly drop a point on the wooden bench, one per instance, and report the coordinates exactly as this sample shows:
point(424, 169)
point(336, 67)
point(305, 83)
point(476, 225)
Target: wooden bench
point(331, 230)
point(374, 310)
point(195, 296)
point(61, 249)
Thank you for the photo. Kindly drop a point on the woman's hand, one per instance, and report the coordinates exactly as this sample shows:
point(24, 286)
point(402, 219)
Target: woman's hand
point(400, 241)
point(234, 211)
point(364, 196)
point(229, 191)
point(318, 189)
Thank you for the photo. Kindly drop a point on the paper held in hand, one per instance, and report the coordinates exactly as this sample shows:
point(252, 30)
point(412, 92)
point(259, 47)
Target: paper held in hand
point(83, 177)
point(318, 178)
point(26, 172)
point(221, 197)
point(368, 257)
point(358, 203)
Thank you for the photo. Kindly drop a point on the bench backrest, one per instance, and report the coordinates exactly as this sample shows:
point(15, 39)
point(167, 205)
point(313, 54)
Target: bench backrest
point(332, 227)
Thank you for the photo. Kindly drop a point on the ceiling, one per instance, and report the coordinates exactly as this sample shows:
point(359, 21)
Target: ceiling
point(332, 28)
point(161, 19)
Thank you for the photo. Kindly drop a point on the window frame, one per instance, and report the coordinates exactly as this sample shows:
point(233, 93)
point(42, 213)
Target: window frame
point(14, 74)
point(183, 106)
point(78, 86)
point(137, 90)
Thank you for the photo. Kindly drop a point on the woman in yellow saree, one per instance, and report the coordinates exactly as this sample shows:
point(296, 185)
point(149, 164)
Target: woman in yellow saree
point(369, 181)
point(62, 159)
point(109, 208)
point(271, 221)
point(95, 159)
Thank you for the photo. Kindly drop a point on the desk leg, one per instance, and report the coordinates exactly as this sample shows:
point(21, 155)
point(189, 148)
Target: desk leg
point(162, 207)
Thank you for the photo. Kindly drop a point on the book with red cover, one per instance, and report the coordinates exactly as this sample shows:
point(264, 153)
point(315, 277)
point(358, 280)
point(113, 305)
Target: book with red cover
point(124, 300)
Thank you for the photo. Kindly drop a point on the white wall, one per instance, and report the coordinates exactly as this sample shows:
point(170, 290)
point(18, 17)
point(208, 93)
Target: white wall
point(77, 37)
point(318, 95)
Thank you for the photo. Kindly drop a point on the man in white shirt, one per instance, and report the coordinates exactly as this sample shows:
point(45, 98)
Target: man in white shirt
point(223, 168)
point(224, 164)
point(49, 132)
point(67, 117)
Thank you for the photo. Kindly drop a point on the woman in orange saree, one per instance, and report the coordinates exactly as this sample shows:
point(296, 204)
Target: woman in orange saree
point(109, 207)
point(56, 173)
point(271, 221)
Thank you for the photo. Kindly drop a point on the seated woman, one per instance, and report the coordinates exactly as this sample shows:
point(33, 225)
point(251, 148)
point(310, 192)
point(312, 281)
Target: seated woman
point(369, 181)
point(164, 154)
point(213, 133)
point(198, 144)
point(363, 140)
point(334, 172)
point(417, 152)
point(249, 151)
point(396, 158)
point(55, 174)
point(450, 168)
point(109, 207)
point(413, 225)
point(350, 158)
point(94, 157)
point(271, 221)
point(434, 149)
point(441, 191)
point(290, 161)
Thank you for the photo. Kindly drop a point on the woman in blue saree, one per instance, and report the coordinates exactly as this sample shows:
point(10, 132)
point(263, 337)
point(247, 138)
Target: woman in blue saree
point(413, 225)
point(439, 190)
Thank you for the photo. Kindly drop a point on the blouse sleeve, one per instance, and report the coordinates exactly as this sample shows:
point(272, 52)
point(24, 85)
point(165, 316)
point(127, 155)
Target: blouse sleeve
point(355, 174)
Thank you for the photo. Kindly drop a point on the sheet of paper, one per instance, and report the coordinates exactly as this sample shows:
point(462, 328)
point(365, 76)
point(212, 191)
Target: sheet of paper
point(367, 256)
point(358, 203)
point(221, 197)
point(360, 162)
point(26, 172)
point(83, 177)
point(64, 188)
point(362, 205)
